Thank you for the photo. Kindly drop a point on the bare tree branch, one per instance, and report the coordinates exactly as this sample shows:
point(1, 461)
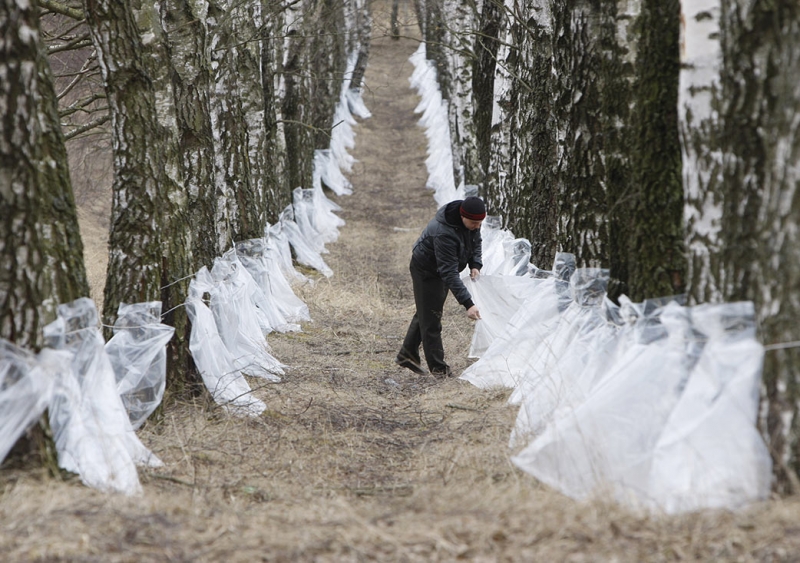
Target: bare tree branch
point(63, 9)
point(88, 127)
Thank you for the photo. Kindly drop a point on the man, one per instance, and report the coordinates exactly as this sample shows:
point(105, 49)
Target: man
point(450, 242)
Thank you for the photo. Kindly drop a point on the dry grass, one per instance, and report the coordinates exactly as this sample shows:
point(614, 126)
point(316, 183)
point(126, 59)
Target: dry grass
point(356, 459)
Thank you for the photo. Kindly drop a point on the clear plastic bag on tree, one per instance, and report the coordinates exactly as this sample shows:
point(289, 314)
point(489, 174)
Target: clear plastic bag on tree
point(517, 257)
point(213, 359)
point(505, 361)
point(326, 164)
point(304, 204)
point(304, 251)
point(279, 247)
point(710, 453)
point(498, 298)
point(138, 355)
point(493, 249)
point(606, 444)
point(26, 389)
point(544, 385)
point(92, 432)
point(285, 308)
point(240, 323)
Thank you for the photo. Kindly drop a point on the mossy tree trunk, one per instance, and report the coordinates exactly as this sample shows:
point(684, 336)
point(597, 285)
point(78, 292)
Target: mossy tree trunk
point(739, 112)
point(190, 76)
point(41, 255)
point(149, 241)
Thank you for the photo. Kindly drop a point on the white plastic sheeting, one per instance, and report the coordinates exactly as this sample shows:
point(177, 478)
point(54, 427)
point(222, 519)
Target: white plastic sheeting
point(671, 425)
point(26, 389)
point(285, 309)
point(214, 361)
point(138, 355)
point(235, 299)
point(505, 361)
point(498, 298)
point(92, 432)
point(437, 129)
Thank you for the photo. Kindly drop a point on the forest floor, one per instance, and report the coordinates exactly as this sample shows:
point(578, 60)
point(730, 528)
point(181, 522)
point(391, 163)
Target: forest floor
point(356, 459)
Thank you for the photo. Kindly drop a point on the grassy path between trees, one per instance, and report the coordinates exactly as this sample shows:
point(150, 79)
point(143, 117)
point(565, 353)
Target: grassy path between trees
point(356, 459)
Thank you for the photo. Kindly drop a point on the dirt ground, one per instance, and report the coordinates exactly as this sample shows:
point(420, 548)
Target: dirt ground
point(356, 459)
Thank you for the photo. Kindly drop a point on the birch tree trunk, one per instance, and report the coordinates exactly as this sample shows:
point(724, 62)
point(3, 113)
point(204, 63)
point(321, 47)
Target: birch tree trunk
point(741, 178)
point(486, 48)
point(278, 193)
point(461, 37)
point(328, 58)
point(190, 73)
point(296, 114)
point(498, 152)
point(655, 264)
point(531, 192)
point(41, 256)
point(150, 238)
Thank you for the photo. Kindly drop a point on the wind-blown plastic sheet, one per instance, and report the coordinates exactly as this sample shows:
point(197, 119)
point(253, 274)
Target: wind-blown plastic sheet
point(26, 389)
point(138, 355)
point(213, 359)
point(92, 432)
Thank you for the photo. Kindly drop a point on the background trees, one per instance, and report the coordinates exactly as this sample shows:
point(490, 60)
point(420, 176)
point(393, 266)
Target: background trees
point(215, 111)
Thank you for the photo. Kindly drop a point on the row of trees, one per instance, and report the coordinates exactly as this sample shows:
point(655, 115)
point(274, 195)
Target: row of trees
point(215, 109)
point(658, 138)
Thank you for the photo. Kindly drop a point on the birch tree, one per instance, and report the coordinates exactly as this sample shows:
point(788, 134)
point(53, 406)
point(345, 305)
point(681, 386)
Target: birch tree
point(739, 124)
point(41, 256)
point(149, 241)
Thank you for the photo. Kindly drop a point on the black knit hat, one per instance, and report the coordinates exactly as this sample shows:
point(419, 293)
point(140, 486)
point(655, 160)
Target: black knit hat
point(473, 208)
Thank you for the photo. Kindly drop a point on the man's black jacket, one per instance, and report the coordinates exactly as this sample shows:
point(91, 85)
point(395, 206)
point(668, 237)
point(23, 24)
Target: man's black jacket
point(446, 247)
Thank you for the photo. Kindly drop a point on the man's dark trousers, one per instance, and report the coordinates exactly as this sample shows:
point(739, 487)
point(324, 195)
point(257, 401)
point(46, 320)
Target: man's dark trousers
point(430, 293)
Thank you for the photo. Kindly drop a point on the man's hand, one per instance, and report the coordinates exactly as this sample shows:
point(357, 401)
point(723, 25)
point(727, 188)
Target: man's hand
point(474, 273)
point(473, 313)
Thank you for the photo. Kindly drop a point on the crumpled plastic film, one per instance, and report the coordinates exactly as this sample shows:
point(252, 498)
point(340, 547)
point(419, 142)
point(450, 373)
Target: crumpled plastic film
point(493, 238)
point(138, 354)
point(279, 247)
point(543, 386)
point(93, 434)
point(710, 453)
point(26, 388)
point(303, 206)
point(238, 320)
point(498, 298)
point(304, 251)
point(606, 444)
point(505, 361)
point(326, 165)
point(284, 308)
point(213, 359)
